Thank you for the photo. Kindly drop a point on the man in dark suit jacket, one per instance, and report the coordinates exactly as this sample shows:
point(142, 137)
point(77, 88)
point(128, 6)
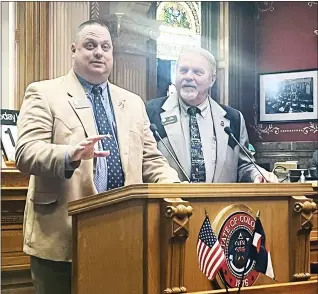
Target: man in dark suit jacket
point(192, 125)
point(314, 160)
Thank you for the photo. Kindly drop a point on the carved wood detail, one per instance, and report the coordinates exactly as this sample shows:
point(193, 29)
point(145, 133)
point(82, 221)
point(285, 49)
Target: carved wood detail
point(175, 231)
point(300, 224)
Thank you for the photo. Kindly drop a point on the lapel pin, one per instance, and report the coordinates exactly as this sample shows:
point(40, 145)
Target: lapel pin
point(222, 123)
point(121, 104)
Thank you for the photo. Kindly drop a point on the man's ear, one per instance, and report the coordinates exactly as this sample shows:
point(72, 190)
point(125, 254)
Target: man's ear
point(213, 80)
point(73, 48)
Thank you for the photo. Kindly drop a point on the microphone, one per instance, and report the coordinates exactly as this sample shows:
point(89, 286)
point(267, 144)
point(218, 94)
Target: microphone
point(155, 132)
point(229, 131)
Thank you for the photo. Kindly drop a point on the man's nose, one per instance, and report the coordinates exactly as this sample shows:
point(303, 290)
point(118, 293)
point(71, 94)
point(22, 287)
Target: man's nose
point(98, 51)
point(189, 75)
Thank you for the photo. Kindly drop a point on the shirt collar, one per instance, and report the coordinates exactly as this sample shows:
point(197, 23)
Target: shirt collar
point(88, 86)
point(204, 107)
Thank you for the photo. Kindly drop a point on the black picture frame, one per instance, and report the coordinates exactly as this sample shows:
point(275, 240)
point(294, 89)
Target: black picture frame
point(288, 96)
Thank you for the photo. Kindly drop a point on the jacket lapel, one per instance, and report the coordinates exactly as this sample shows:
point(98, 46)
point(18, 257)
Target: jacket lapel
point(170, 119)
point(122, 117)
point(220, 122)
point(80, 103)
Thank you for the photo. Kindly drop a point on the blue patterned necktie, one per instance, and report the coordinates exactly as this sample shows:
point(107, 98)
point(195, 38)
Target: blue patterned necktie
point(115, 175)
point(197, 159)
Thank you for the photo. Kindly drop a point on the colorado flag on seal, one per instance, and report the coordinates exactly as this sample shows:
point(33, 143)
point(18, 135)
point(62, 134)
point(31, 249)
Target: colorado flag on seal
point(259, 252)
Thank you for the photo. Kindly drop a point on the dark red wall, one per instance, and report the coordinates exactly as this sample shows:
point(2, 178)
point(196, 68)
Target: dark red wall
point(286, 41)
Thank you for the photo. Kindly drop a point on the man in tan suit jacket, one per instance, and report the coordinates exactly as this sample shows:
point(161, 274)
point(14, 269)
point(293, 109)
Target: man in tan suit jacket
point(57, 146)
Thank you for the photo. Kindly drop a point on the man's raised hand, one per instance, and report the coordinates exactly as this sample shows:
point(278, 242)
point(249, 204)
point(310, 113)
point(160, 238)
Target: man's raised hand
point(84, 150)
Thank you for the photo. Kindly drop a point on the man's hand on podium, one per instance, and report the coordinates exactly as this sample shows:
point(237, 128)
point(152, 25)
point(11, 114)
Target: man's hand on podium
point(270, 177)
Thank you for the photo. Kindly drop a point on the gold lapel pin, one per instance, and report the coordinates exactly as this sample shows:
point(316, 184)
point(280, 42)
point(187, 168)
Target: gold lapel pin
point(222, 123)
point(121, 104)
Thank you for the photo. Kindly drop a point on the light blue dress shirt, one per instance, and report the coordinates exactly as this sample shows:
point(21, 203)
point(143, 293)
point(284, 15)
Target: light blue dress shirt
point(101, 162)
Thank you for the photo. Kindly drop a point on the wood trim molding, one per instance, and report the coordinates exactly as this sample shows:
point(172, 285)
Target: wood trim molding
point(309, 287)
point(31, 45)
point(153, 191)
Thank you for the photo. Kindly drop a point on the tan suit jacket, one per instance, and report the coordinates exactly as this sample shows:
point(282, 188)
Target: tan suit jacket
point(54, 115)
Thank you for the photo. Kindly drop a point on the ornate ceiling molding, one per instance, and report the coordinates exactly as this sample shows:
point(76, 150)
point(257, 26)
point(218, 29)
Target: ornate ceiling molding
point(264, 7)
point(311, 3)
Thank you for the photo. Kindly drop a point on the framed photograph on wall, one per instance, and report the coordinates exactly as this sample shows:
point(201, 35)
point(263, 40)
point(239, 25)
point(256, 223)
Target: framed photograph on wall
point(288, 96)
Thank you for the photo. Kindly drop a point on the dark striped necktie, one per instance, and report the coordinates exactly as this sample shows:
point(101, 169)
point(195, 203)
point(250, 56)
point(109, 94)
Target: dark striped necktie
point(197, 159)
point(115, 175)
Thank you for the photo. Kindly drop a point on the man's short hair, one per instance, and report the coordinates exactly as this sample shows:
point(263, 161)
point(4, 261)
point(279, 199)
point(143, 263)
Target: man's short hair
point(89, 23)
point(203, 52)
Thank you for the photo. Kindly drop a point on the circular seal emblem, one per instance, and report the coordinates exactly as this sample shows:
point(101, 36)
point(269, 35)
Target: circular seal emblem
point(234, 226)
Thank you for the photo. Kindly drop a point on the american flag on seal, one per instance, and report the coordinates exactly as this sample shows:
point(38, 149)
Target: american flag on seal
point(211, 256)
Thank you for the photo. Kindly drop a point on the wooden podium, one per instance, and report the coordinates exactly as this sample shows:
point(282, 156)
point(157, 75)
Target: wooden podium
point(142, 238)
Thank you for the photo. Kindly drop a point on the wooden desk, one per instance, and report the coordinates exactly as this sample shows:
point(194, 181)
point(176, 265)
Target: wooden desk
point(15, 265)
point(149, 231)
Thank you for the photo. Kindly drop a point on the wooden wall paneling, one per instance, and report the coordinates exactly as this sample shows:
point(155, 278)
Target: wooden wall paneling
point(130, 72)
point(31, 45)
point(20, 56)
point(15, 264)
point(64, 18)
point(134, 51)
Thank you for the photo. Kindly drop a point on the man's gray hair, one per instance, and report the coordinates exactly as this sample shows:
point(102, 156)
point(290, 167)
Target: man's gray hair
point(205, 53)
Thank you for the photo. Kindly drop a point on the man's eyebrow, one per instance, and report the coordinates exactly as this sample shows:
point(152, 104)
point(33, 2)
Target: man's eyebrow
point(89, 40)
